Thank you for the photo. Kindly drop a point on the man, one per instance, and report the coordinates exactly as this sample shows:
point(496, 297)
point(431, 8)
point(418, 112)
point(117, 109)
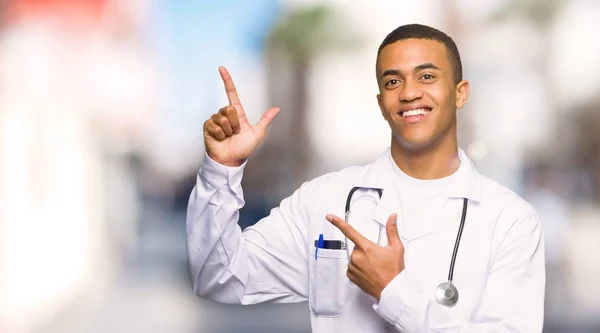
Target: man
point(354, 279)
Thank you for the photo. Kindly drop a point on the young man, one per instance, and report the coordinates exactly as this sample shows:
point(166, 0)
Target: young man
point(459, 253)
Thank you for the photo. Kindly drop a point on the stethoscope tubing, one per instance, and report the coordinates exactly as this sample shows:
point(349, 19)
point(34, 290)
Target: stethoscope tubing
point(458, 237)
point(441, 298)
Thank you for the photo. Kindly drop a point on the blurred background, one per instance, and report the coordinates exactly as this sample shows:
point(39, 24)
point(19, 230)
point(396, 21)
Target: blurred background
point(102, 104)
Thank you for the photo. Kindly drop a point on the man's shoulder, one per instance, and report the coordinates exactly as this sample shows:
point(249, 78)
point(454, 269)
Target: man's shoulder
point(347, 177)
point(509, 206)
point(344, 176)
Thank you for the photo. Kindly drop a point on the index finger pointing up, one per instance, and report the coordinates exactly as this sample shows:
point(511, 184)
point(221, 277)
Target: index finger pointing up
point(232, 94)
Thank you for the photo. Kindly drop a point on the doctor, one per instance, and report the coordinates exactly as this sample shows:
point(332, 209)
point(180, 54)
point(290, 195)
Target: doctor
point(416, 241)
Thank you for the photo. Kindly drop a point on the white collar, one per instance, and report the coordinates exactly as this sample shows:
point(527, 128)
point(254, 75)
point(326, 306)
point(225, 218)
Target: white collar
point(378, 176)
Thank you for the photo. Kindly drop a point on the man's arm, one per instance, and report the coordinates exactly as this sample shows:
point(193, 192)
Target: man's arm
point(267, 262)
point(513, 299)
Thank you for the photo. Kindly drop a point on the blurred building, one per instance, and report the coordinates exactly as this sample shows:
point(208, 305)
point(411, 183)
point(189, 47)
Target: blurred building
point(74, 103)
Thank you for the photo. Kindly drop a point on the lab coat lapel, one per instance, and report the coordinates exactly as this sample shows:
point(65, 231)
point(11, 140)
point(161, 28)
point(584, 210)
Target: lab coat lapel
point(388, 205)
point(378, 176)
point(363, 204)
point(408, 230)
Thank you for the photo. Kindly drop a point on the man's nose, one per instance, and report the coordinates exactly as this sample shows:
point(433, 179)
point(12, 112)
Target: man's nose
point(411, 91)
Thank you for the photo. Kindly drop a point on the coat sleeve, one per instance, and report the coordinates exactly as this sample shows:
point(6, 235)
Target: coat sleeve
point(265, 263)
point(513, 300)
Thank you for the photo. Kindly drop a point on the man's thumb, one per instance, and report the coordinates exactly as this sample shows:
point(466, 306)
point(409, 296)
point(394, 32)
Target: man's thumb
point(391, 228)
point(266, 119)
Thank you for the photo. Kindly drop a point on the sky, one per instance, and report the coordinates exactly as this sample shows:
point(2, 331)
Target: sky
point(190, 40)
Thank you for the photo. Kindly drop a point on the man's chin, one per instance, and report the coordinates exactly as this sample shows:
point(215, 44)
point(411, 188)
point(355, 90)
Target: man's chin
point(414, 144)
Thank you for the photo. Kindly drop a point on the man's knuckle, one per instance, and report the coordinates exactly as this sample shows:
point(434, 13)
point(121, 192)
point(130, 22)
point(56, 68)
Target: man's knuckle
point(356, 256)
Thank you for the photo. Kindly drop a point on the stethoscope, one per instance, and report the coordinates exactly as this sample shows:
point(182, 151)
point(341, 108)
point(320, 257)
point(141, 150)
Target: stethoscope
point(446, 293)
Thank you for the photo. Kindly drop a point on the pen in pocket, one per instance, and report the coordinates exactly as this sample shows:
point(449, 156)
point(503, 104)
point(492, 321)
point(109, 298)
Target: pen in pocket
point(319, 244)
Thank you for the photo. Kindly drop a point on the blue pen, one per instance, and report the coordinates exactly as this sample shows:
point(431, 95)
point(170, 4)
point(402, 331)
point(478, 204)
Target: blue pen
point(320, 244)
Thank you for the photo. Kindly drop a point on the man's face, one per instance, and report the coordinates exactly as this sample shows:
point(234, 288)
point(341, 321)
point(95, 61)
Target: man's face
point(417, 94)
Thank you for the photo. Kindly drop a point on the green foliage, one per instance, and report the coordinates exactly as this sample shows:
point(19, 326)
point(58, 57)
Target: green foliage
point(305, 33)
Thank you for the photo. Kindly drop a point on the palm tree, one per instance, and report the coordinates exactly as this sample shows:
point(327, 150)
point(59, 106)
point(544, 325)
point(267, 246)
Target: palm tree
point(283, 161)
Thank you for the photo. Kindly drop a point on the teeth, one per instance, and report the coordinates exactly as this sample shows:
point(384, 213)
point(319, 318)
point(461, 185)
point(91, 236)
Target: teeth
point(415, 112)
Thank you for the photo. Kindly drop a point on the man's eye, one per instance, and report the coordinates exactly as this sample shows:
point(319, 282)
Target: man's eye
point(427, 76)
point(392, 82)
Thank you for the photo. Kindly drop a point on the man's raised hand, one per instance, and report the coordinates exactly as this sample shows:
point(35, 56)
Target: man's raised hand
point(228, 136)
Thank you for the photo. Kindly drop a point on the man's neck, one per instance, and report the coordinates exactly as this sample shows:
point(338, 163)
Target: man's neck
point(434, 163)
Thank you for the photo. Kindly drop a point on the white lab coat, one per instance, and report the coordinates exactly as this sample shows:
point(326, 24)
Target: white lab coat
point(499, 269)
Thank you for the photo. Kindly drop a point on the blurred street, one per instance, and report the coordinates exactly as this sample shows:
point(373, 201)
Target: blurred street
point(153, 294)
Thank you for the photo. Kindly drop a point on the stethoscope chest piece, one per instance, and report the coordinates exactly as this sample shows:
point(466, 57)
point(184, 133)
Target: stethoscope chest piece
point(446, 294)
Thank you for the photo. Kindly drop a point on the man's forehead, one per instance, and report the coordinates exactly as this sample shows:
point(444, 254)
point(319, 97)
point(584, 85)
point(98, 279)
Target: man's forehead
point(410, 53)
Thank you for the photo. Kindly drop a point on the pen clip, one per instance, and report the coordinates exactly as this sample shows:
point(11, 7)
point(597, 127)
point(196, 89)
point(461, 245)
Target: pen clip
point(320, 244)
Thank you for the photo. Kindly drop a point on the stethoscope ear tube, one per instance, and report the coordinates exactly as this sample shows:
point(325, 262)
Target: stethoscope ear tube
point(347, 209)
point(351, 193)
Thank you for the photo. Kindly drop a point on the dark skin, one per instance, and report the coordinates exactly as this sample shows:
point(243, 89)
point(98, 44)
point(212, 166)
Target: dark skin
point(419, 72)
point(410, 73)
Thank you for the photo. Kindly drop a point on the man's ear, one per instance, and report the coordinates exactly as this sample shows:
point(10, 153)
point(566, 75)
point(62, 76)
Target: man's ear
point(380, 102)
point(462, 94)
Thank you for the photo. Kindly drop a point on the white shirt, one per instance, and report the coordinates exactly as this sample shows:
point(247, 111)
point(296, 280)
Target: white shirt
point(417, 196)
point(499, 268)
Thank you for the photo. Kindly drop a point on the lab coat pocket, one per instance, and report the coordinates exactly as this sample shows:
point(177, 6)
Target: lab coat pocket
point(329, 284)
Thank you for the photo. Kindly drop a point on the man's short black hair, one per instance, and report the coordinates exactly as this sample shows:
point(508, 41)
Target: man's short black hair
point(419, 31)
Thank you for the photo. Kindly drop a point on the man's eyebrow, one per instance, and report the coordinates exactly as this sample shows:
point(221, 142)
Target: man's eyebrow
point(426, 65)
point(421, 67)
point(388, 72)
